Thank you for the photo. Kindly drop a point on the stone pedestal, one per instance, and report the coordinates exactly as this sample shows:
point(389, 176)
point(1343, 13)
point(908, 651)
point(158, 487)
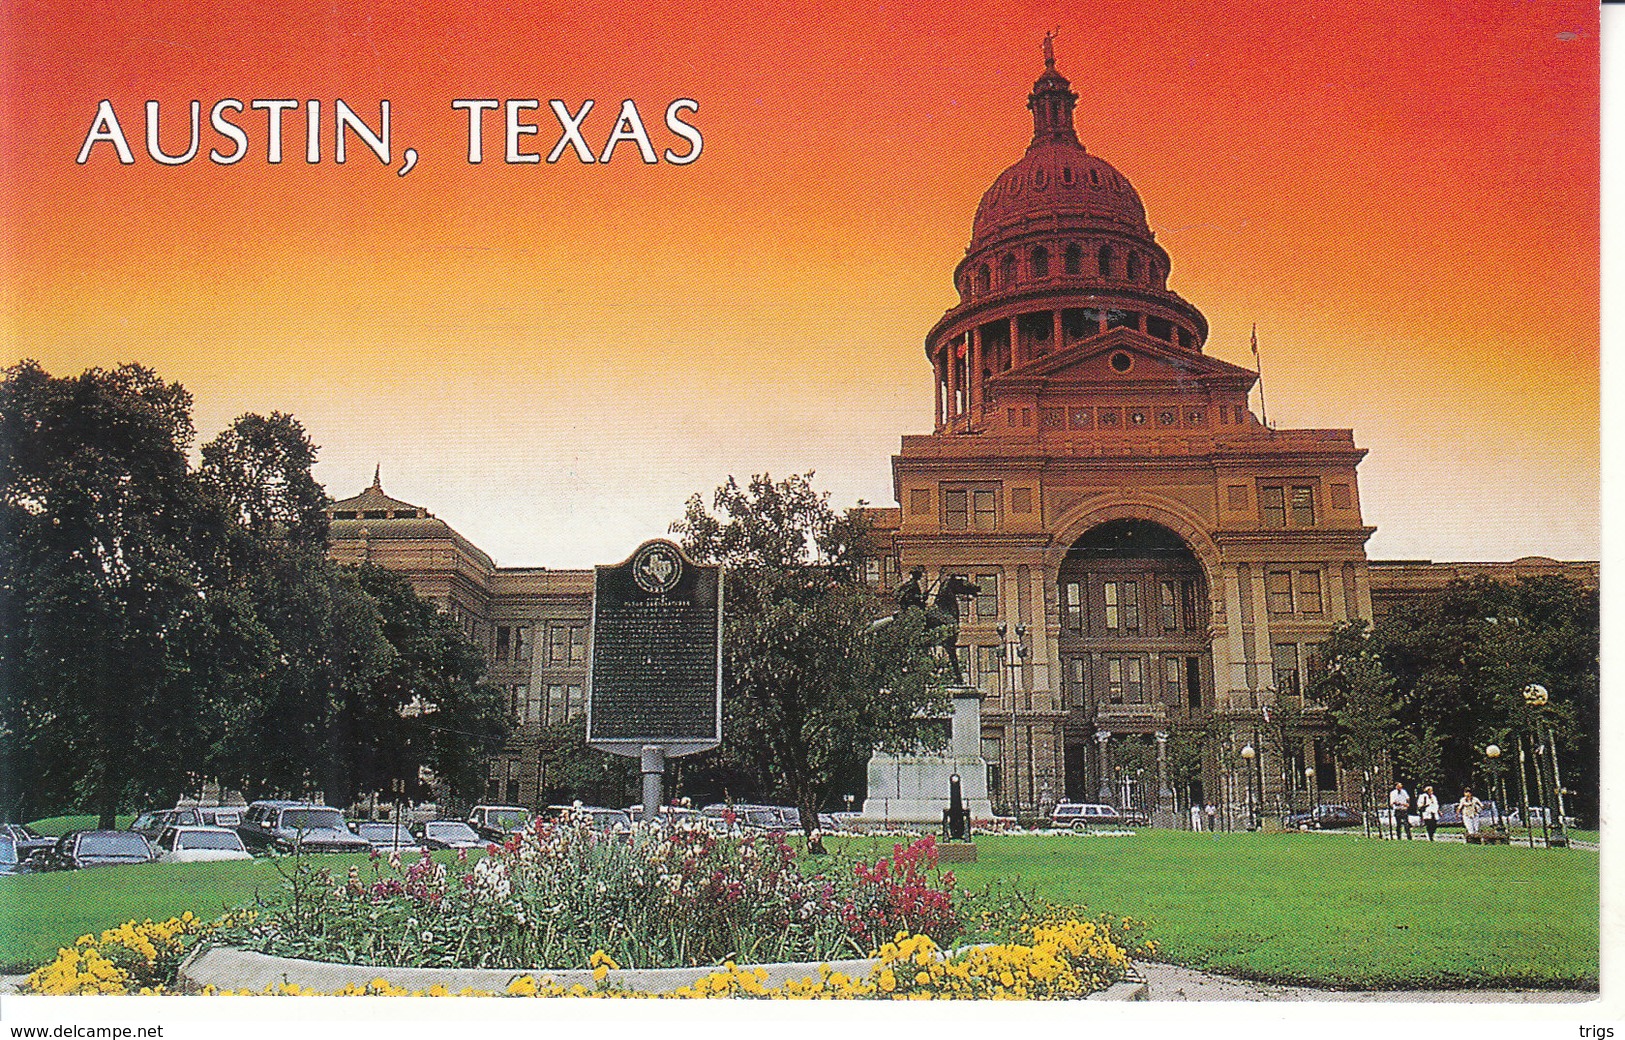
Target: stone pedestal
point(912, 790)
point(956, 852)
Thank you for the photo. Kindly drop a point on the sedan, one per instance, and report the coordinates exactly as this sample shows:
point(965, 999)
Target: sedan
point(387, 837)
point(77, 850)
point(1324, 818)
point(449, 834)
point(27, 840)
point(200, 845)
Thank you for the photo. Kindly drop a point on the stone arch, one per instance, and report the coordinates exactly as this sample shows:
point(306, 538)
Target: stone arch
point(1175, 516)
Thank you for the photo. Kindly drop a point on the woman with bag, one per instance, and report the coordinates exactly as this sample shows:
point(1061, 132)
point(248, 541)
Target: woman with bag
point(1427, 803)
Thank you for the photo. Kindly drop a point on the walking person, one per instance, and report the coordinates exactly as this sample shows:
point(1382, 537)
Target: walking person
point(1399, 800)
point(1427, 803)
point(1470, 808)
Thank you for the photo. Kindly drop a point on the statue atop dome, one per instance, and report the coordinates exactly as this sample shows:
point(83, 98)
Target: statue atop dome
point(1049, 47)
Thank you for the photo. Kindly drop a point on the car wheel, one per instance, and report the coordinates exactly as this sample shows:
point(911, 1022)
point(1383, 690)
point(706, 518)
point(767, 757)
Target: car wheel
point(1080, 826)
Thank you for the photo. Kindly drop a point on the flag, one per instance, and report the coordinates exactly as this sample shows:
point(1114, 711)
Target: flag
point(1255, 341)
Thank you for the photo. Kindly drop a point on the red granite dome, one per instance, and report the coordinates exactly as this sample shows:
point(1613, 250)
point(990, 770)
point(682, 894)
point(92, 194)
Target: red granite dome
point(1058, 184)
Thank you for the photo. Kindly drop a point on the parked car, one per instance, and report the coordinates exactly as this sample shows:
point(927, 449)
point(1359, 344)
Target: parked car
point(13, 861)
point(449, 834)
point(751, 817)
point(222, 816)
point(599, 818)
point(78, 850)
point(26, 839)
point(1081, 816)
point(1325, 818)
point(496, 822)
point(283, 826)
point(1540, 817)
point(670, 815)
point(152, 823)
point(386, 836)
point(200, 845)
point(1450, 814)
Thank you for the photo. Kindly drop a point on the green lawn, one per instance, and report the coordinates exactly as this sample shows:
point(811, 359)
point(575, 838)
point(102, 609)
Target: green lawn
point(1328, 909)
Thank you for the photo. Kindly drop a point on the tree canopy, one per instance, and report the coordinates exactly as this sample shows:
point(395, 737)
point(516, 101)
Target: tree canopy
point(160, 624)
point(810, 685)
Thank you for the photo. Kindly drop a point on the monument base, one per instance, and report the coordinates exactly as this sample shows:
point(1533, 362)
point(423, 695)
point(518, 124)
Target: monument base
point(956, 852)
point(913, 789)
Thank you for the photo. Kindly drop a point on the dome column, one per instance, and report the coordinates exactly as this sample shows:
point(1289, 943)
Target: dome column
point(953, 381)
point(1017, 355)
point(936, 371)
point(974, 337)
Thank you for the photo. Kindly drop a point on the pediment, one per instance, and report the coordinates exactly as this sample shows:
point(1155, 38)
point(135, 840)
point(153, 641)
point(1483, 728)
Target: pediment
point(1100, 362)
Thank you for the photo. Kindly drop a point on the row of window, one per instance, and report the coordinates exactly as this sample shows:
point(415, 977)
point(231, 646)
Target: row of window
point(1113, 607)
point(1175, 681)
point(1290, 593)
point(566, 644)
point(564, 701)
point(1106, 262)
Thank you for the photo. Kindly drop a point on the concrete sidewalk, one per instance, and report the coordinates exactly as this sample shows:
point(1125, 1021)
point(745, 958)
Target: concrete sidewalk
point(1171, 982)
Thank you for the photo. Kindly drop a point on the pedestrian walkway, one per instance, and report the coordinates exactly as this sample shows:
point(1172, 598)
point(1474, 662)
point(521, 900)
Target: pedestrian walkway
point(1173, 983)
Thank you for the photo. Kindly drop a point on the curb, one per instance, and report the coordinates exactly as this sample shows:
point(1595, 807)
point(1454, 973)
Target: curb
point(227, 968)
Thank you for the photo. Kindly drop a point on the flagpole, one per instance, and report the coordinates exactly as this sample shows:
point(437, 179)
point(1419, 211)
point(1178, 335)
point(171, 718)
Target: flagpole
point(1263, 408)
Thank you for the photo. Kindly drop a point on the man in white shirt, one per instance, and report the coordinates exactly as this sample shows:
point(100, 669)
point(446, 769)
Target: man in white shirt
point(1399, 800)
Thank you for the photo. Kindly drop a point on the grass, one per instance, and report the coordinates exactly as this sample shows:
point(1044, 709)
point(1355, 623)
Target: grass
point(56, 826)
point(1322, 909)
point(1326, 909)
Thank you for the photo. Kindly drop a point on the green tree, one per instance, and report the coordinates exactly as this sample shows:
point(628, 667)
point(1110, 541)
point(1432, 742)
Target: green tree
point(810, 685)
point(1360, 696)
point(110, 622)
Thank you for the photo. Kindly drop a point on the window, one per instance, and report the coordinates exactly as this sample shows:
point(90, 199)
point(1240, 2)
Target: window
point(1114, 680)
point(1272, 506)
point(984, 510)
point(1303, 506)
point(1170, 610)
point(1104, 258)
point(575, 702)
point(993, 755)
point(988, 666)
point(567, 644)
point(1122, 606)
point(1007, 270)
point(1040, 262)
point(872, 571)
point(1285, 661)
point(1075, 617)
point(1278, 590)
point(1187, 597)
point(1134, 680)
point(555, 703)
point(1054, 418)
point(1309, 600)
point(987, 600)
point(1278, 503)
point(1193, 682)
point(503, 642)
point(1172, 681)
point(533, 705)
point(1077, 682)
point(984, 279)
point(1072, 259)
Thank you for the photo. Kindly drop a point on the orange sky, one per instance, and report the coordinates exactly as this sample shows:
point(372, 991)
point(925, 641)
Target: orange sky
point(1403, 196)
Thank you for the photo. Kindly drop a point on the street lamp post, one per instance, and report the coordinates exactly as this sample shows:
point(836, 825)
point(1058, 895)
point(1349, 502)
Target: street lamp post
point(1013, 650)
point(1493, 753)
point(1248, 755)
point(1309, 788)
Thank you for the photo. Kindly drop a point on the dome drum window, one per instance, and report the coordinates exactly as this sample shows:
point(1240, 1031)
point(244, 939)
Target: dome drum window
point(1116, 319)
point(1040, 262)
point(1007, 270)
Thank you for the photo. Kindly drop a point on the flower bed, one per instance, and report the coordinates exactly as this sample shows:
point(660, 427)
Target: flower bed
point(558, 893)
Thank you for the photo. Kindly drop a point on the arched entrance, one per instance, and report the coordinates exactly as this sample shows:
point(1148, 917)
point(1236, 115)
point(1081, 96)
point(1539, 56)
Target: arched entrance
point(1135, 654)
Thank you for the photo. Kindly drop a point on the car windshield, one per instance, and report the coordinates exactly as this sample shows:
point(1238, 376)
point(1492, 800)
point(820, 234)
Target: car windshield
point(312, 819)
point(508, 819)
point(610, 818)
point(113, 843)
point(8, 850)
point(209, 840)
point(383, 831)
point(450, 831)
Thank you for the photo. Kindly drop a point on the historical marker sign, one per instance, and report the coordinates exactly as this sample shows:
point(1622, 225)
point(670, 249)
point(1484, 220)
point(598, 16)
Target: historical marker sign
point(656, 671)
